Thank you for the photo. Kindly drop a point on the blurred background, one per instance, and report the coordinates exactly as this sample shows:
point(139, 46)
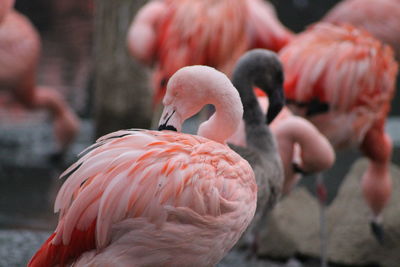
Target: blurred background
point(85, 59)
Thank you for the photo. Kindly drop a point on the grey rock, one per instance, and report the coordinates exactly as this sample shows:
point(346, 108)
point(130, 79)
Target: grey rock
point(294, 225)
point(289, 225)
point(350, 239)
point(237, 259)
point(18, 246)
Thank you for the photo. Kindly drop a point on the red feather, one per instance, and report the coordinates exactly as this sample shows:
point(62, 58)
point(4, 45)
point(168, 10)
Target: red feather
point(60, 254)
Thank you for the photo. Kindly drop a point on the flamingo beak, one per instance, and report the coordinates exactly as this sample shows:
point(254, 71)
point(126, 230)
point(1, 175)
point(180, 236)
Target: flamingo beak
point(276, 106)
point(170, 120)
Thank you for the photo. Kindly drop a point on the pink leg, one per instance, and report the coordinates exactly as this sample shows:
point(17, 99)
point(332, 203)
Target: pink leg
point(376, 181)
point(66, 124)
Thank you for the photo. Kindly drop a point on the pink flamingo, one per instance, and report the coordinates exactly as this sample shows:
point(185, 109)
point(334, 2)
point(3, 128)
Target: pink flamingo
point(381, 18)
point(19, 55)
point(171, 34)
point(158, 198)
point(302, 148)
point(342, 80)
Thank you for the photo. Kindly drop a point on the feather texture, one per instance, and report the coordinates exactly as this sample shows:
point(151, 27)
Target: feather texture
point(333, 66)
point(165, 181)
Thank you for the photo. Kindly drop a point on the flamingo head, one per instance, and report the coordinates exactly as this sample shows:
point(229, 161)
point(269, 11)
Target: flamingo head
point(263, 69)
point(190, 89)
point(184, 96)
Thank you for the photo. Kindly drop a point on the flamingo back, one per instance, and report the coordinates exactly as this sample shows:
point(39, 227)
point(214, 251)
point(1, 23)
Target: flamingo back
point(161, 181)
point(381, 18)
point(339, 77)
point(200, 32)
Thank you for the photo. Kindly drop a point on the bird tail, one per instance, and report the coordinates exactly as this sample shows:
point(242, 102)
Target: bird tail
point(51, 254)
point(46, 255)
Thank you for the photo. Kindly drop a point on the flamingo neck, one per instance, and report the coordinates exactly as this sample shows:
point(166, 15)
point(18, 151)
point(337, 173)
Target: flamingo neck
point(225, 121)
point(253, 114)
point(5, 8)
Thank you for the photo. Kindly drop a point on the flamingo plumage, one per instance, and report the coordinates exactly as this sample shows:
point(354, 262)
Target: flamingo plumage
point(158, 198)
point(19, 55)
point(381, 18)
point(342, 79)
point(171, 34)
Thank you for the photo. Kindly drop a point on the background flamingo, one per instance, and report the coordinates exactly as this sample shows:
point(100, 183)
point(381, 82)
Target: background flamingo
point(19, 55)
point(381, 18)
point(150, 198)
point(171, 34)
point(262, 68)
point(342, 80)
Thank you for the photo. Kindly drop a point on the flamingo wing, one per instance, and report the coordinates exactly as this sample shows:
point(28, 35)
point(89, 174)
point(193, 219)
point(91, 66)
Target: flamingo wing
point(332, 65)
point(341, 78)
point(381, 18)
point(137, 173)
point(199, 33)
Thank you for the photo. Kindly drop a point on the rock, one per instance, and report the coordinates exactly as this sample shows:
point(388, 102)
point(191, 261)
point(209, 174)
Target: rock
point(294, 225)
point(236, 258)
point(28, 178)
point(18, 246)
point(350, 240)
point(290, 225)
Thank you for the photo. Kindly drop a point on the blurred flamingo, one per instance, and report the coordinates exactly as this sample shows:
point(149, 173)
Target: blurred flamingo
point(19, 55)
point(342, 80)
point(5, 8)
point(262, 68)
point(381, 18)
point(158, 198)
point(171, 34)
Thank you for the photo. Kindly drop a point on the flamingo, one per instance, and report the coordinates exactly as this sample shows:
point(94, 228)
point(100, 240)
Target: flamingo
point(342, 79)
point(158, 198)
point(381, 18)
point(19, 55)
point(262, 68)
point(302, 148)
point(171, 34)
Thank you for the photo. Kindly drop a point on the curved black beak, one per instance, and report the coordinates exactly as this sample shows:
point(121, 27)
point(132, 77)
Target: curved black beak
point(167, 127)
point(165, 123)
point(276, 103)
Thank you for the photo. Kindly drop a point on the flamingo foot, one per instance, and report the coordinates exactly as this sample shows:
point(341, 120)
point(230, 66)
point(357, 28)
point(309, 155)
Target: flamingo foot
point(377, 231)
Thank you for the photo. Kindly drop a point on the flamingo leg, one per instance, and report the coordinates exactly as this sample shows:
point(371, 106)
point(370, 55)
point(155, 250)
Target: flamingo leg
point(376, 181)
point(322, 194)
point(24, 92)
point(66, 123)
